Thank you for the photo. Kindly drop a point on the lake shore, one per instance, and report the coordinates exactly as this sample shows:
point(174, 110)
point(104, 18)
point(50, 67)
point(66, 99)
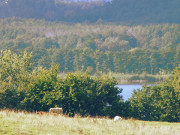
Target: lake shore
point(123, 78)
point(139, 78)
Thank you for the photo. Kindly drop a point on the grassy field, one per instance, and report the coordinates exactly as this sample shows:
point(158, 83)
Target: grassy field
point(22, 123)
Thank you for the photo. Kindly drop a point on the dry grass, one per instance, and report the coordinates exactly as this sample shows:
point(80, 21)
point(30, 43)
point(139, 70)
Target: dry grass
point(21, 123)
point(139, 78)
point(142, 78)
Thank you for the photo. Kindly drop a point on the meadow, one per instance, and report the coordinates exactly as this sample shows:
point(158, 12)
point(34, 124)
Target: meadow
point(24, 123)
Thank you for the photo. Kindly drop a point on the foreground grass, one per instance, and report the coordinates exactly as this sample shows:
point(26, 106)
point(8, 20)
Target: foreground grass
point(13, 123)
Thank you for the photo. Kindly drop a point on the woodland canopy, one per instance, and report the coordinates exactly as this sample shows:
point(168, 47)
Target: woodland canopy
point(100, 48)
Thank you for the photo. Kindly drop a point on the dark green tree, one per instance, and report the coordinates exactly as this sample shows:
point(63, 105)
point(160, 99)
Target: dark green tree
point(159, 103)
point(89, 96)
point(43, 92)
point(14, 78)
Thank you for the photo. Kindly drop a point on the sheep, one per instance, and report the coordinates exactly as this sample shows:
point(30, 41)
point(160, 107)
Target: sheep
point(56, 110)
point(117, 118)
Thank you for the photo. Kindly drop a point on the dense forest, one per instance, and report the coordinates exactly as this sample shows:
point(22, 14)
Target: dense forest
point(117, 11)
point(24, 87)
point(100, 48)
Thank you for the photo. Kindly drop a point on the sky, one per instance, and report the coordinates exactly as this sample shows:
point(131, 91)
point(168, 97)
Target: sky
point(86, 0)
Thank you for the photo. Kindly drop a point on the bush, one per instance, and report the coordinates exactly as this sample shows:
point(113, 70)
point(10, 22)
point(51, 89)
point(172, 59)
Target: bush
point(157, 102)
point(38, 89)
point(89, 96)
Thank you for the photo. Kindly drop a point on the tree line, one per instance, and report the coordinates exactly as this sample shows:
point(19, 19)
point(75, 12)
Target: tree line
point(25, 87)
point(101, 48)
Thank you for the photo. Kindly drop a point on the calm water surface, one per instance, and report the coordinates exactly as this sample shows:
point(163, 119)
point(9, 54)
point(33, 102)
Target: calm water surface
point(128, 90)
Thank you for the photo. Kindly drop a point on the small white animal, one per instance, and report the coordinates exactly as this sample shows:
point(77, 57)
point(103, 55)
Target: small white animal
point(56, 110)
point(117, 118)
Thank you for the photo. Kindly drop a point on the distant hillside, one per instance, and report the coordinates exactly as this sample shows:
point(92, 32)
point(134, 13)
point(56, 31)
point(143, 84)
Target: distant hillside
point(98, 47)
point(117, 11)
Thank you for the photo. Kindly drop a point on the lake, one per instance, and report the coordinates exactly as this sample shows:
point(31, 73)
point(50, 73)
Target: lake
point(128, 90)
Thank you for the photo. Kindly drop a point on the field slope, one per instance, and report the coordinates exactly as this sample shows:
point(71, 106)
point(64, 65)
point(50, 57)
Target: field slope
point(13, 123)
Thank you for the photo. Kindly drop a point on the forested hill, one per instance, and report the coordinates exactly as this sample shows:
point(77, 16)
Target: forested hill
point(117, 11)
point(99, 47)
